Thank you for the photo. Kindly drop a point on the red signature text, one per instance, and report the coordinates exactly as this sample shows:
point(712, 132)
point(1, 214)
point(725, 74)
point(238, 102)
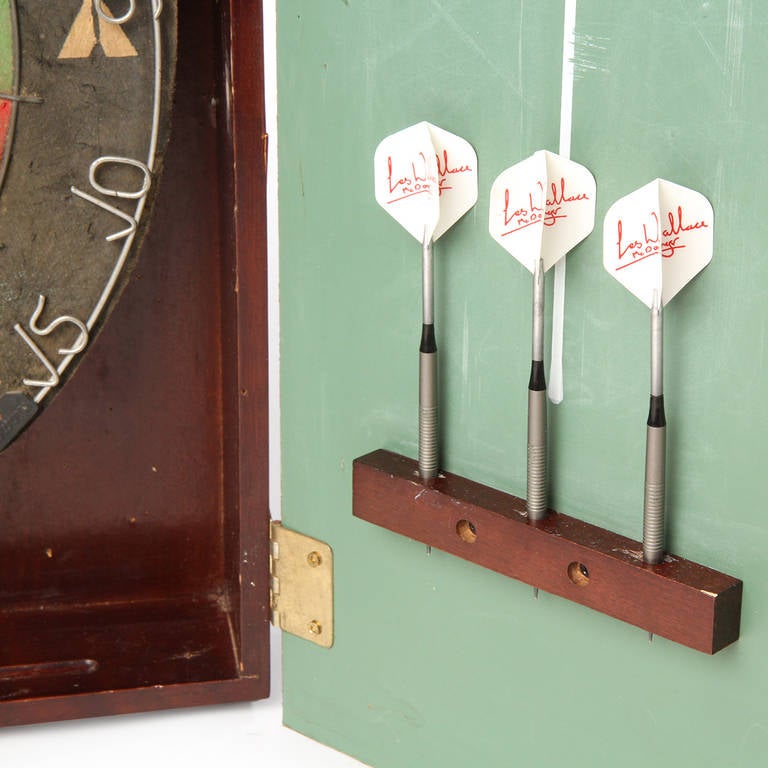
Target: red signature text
point(672, 234)
point(550, 213)
point(654, 239)
point(416, 179)
point(445, 171)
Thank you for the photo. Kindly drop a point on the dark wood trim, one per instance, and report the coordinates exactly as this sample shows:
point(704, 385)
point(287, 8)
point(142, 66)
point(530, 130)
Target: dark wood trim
point(107, 703)
point(249, 140)
point(678, 599)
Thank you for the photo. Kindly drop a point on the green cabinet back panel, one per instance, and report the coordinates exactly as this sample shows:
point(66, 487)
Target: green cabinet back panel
point(438, 662)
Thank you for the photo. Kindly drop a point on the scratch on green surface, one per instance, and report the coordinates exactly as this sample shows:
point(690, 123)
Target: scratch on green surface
point(6, 46)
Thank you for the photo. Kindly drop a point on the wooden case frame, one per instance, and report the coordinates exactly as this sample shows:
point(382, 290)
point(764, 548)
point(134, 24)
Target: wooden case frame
point(134, 521)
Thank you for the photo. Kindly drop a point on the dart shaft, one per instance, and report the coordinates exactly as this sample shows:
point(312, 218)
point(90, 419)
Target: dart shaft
point(537, 335)
point(657, 350)
point(536, 496)
point(428, 437)
point(427, 284)
point(655, 450)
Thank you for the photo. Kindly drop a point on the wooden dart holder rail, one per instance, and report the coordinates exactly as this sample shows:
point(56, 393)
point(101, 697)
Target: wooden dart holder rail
point(677, 599)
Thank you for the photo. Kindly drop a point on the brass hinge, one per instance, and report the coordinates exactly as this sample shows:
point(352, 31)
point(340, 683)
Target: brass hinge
point(301, 585)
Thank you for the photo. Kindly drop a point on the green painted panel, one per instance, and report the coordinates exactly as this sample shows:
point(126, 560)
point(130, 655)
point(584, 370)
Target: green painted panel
point(436, 661)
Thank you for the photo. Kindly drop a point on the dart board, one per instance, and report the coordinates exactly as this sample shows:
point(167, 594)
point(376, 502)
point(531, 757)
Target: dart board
point(85, 97)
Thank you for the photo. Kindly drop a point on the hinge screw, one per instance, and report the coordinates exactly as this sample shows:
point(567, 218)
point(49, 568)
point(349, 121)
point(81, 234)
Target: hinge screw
point(315, 628)
point(314, 559)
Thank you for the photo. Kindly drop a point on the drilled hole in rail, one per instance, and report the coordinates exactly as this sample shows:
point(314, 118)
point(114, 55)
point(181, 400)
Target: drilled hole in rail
point(466, 531)
point(578, 574)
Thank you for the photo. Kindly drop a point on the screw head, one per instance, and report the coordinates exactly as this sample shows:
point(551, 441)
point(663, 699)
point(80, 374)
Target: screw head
point(315, 628)
point(314, 559)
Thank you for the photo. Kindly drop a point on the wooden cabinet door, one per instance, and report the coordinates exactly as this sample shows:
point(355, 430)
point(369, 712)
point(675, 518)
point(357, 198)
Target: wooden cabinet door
point(436, 661)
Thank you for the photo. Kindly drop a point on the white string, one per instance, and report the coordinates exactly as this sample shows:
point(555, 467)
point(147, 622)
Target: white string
point(555, 388)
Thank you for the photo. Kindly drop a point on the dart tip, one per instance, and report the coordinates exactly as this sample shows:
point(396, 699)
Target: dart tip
point(650, 637)
point(535, 593)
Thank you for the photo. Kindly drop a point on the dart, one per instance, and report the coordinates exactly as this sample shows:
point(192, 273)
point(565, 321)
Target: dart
point(655, 241)
point(540, 209)
point(426, 179)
